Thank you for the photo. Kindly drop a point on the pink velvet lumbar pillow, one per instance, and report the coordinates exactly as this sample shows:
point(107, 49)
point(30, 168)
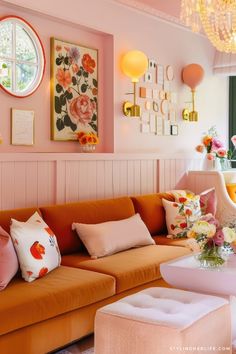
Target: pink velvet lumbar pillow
point(8, 259)
point(111, 237)
point(208, 201)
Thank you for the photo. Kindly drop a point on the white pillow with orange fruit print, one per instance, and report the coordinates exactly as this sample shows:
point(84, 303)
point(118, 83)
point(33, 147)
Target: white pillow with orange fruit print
point(36, 247)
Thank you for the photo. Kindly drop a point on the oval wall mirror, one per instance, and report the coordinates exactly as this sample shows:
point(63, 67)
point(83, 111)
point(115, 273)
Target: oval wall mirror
point(22, 58)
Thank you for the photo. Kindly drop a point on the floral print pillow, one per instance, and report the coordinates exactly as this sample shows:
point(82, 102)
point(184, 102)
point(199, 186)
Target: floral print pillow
point(181, 214)
point(36, 247)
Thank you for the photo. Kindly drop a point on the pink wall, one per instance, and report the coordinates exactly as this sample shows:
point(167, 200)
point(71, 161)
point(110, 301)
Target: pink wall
point(40, 100)
point(131, 29)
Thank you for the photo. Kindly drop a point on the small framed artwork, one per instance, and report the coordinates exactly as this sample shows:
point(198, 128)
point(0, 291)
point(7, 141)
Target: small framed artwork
point(174, 129)
point(145, 117)
point(159, 125)
point(166, 127)
point(169, 73)
point(74, 90)
point(148, 77)
point(22, 127)
point(152, 64)
point(145, 128)
point(160, 74)
point(152, 123)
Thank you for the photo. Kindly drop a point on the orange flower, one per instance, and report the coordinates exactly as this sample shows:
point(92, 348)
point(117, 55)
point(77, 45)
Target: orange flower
point(207, 140)
point(58, 48)
point(75, 68)
point(188, 212)
point(94, 91)
point(182, 200)
point(63, 77)
point(83, 140)
point(200, 148)
point(88, 63)
point(79, 135)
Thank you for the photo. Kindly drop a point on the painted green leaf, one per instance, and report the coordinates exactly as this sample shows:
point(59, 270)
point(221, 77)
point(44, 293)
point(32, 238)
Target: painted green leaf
point(79, 73)
point(85, 74)
point(94, 126)
point(67, 121)
point(66, 60)
point(84, 88)
point(59, 88)
point(74, 81)
point(57, 105)
point(73, 126)
point(68, 95)
point(60, 124)
point(94, 118)
point(63, 100)
point(95, 83)
point(59, 61)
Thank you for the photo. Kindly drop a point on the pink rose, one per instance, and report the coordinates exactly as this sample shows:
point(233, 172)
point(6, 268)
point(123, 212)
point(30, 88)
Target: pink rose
point(219, 238)
point(82, 109)
point(233, 139)
point(221, 152)
point(216, 144)
point(210, 156)
point(210, 219)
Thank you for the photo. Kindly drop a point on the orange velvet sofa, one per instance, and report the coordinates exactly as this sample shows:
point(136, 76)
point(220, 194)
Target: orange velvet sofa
point(53, 311)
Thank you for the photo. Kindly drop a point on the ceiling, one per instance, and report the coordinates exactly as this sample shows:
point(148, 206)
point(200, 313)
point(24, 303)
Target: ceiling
point(169, 9)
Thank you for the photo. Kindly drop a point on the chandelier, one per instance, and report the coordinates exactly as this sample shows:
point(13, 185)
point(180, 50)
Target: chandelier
point(216, 17)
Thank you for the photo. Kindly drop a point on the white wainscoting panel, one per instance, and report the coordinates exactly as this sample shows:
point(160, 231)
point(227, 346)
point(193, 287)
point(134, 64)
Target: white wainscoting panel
point(47, 178)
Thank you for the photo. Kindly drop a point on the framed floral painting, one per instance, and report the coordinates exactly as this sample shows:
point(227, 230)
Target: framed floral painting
point(74, 90)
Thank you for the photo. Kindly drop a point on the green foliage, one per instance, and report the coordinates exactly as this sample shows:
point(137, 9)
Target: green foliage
point(95, 83)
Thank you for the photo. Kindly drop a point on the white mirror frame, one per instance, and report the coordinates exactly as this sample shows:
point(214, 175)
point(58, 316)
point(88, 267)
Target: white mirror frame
point(40, 53)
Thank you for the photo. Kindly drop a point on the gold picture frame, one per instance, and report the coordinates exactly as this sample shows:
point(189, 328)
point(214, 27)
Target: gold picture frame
point(22, 127)
point(74, 90)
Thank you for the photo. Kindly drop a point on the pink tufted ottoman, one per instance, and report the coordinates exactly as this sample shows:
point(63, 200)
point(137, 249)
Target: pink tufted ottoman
point(164, 321)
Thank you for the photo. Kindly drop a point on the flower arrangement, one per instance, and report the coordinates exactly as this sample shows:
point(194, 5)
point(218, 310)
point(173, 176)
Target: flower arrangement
point(87, 138)
point(213, 146)
point(211, 237)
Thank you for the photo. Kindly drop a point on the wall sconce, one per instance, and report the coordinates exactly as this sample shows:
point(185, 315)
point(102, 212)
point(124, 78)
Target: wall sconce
point(192, 75)
point(133, 64)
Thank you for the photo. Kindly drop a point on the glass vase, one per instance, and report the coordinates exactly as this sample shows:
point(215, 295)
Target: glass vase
point(88, 148)
point(225, 164)
point(211, 258)
point(210, 165)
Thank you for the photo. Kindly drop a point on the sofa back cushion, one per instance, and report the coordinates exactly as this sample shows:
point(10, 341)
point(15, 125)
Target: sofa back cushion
point(18, 214)
point(151, 211)
point(60, 218)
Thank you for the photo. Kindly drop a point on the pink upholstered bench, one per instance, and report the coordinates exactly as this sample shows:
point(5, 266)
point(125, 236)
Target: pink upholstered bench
point(163, 321)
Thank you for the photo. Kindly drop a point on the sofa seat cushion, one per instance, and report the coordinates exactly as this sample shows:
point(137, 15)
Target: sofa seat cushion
point(60, 218)
point(163, 240)
point(130, 268)
point(63, 290)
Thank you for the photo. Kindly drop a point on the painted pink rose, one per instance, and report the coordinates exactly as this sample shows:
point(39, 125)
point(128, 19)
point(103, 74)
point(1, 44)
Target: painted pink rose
point(82, 109)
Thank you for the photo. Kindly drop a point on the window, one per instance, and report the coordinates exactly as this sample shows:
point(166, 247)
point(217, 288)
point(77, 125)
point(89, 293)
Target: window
point(22, 58)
